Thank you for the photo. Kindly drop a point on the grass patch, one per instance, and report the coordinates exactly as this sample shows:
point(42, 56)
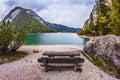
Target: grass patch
point(105, 65)
point(11, 56)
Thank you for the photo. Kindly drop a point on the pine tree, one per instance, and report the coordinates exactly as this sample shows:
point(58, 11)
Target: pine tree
point(115, 17)
point(103, 17)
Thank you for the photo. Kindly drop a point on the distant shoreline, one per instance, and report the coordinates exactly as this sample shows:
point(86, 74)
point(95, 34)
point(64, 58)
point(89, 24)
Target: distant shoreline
point(51, 45)
point(84, 36)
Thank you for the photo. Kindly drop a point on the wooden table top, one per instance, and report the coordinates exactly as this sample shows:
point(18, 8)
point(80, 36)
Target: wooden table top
point(65, 53)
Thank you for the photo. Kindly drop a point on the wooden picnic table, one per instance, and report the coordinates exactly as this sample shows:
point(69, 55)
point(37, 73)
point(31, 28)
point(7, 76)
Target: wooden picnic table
point(65, 53)
point(61, 59)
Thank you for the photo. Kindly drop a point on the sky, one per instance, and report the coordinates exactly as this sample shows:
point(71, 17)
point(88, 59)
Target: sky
point(72, 13)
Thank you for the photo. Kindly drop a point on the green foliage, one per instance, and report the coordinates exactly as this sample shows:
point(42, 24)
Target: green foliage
point(103, 18)
point(105, 65)
point(5, 36)
point(115, 17)
point(12, 56)
point(85, 30)
point(10, 38)
point(35, 27)
point(18, 38)
point(117, 46)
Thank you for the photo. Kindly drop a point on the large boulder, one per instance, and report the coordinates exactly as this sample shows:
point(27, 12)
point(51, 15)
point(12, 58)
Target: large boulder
point(106, 46)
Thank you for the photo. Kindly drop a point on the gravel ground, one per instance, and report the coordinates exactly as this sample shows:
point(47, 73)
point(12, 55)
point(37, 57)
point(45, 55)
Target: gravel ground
point(29, 69)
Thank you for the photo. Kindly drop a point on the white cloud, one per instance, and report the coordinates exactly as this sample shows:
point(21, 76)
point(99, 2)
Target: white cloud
point(3, 8)
point(67, 12)
point(73, 15)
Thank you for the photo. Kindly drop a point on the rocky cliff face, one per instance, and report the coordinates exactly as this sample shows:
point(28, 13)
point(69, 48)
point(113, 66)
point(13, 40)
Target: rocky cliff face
point(35, 16)
point(93, 16)
point(106, 46)
point(19, 11)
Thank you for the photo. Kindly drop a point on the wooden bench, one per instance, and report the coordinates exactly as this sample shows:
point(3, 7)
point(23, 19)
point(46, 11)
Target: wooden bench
point(66, 60)
point(51, 59)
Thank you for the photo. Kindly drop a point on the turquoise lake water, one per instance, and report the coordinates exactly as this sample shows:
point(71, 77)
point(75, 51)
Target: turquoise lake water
point(54, 39)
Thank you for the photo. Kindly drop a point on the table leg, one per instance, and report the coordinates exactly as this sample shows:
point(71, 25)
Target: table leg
point(45, 64)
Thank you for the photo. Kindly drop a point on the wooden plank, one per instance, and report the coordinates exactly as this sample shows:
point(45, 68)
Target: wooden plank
point(65, 53)
point(60, 65)
point(85, 54)
point(40, 60)
point(62, 60)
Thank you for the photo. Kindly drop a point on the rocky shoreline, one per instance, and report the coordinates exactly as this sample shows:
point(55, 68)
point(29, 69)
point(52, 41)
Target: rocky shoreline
point(106, 46)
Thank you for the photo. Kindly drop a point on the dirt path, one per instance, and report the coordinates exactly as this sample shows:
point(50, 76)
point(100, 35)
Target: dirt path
point(29, 69)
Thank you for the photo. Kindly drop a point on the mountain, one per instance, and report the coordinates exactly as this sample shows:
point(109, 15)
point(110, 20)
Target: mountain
point(61, 28)
point(28, 19)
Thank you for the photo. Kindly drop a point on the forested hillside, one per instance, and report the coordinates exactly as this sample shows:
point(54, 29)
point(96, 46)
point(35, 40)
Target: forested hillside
point(27, 19)
point(62, 28)
point(104, 19)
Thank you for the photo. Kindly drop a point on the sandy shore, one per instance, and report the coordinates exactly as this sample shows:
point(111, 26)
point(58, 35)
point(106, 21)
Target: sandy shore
point(29, 69)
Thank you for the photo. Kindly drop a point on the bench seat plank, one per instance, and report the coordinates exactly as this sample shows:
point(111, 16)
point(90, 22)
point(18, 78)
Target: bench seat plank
point(61, 60)
point(65, 53)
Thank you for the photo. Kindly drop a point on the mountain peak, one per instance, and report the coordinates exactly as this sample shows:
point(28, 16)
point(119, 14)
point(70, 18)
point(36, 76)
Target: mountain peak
point(19, 11)
point(18, 7)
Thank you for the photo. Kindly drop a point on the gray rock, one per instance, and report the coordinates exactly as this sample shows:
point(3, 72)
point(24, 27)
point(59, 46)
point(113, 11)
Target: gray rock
point(106, 46)
point(13, 15)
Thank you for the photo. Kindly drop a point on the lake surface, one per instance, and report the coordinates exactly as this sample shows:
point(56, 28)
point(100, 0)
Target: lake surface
point(54, 39)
